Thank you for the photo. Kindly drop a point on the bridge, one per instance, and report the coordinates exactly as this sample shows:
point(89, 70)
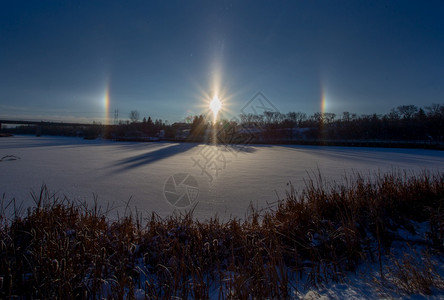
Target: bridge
point(39, 124)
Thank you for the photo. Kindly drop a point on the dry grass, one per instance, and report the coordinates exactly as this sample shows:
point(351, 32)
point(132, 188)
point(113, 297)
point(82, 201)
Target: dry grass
point(414, 273)
point(63, 249)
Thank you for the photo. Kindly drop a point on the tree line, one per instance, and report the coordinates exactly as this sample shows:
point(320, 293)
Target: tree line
point(403, 123)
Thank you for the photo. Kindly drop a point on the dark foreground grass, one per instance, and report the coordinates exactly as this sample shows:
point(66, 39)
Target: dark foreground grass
point(60, 249)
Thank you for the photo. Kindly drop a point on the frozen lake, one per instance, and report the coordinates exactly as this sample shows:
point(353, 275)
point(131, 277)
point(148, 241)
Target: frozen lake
point(164, 177)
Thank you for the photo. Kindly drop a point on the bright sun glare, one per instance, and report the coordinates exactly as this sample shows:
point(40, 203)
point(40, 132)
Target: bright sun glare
point(215, 106)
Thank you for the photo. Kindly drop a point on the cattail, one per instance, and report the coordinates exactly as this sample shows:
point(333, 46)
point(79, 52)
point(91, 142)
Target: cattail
point(146, 258)
point(172, 261)
point(207, 246)
point(132, 249)
point(62, 265)
point(55, 264)
point(33, 233)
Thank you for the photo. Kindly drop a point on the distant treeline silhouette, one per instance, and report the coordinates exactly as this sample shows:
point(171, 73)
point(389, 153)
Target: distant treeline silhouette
point(405, 123)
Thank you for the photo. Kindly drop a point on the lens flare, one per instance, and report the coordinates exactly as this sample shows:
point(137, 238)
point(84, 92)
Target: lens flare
point(215, 106)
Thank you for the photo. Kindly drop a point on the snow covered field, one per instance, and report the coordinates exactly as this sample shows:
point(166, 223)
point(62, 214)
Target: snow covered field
point(159, 176)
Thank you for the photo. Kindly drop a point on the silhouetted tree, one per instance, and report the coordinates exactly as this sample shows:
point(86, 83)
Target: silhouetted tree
point(134, 116)
point(407, 111)
point(198, 128)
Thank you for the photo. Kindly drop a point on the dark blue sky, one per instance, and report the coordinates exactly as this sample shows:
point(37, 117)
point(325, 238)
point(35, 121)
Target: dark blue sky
point(58, 58)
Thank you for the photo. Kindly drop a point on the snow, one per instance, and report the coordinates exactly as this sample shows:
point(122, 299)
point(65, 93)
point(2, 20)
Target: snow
point(228, 178)
point(118, 171)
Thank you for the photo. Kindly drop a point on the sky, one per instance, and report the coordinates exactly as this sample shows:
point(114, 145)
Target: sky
point(83, 60)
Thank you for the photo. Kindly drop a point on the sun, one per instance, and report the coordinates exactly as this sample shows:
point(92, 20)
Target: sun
point(215, 106)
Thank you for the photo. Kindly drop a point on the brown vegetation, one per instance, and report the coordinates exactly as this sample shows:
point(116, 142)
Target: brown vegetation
point(63, 249)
